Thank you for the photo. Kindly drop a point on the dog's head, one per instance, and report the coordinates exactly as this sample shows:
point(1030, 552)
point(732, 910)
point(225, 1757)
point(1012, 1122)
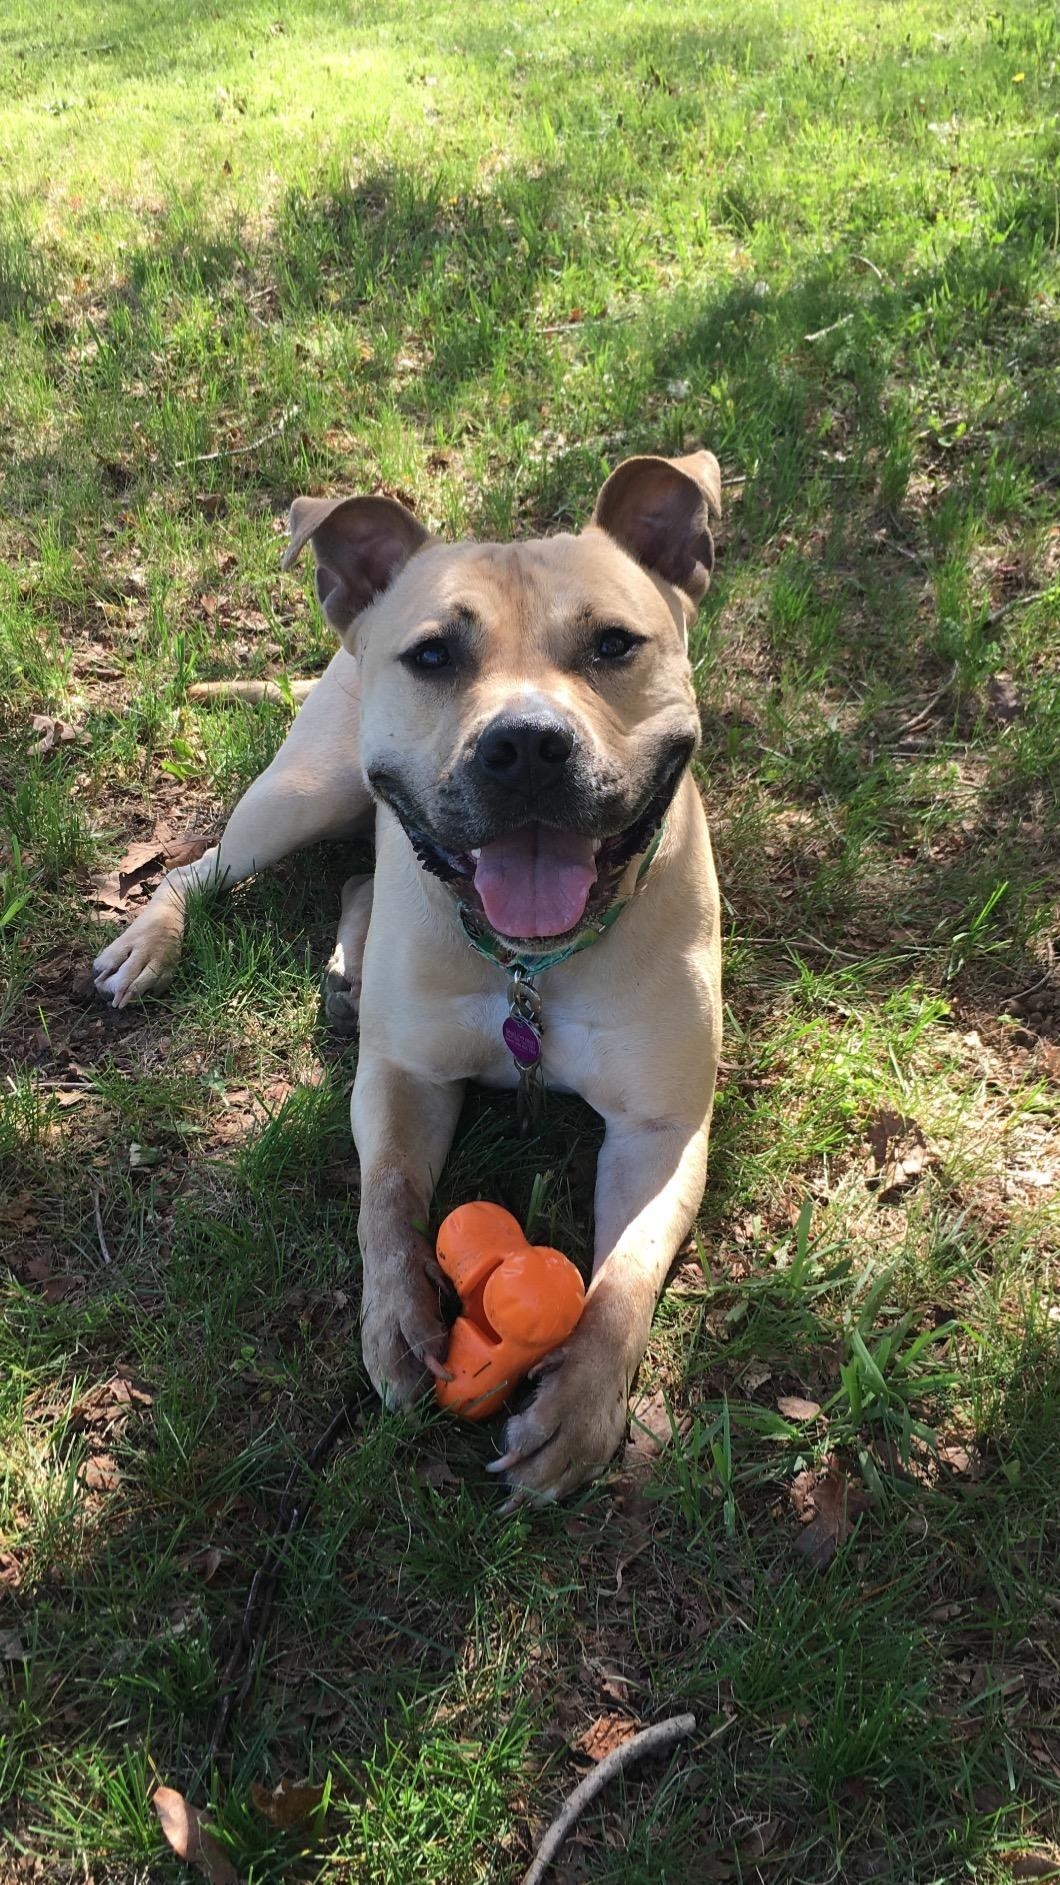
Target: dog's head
point(526, 709)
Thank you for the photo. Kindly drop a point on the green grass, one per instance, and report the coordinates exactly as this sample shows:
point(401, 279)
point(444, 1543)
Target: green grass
point(475, 258)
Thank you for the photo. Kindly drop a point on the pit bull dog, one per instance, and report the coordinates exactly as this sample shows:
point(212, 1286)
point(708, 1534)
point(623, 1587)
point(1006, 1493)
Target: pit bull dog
point(518, 720)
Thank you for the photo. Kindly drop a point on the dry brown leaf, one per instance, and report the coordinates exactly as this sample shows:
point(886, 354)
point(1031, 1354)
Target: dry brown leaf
point(760, 1840)
point(650, 1431)
point(650, 1418)
point(59, 1286)
point(1048, 1057)
point(793, 1407)
point(959, 1459)
point(100, 1473)
point(436, 1472)
point(897, 1154)
point(323, 1708)
point(1004, 702)
point(186, 850)
point(183, 1827)
point(105, 895)
point(53, 1286)
point(141, 858)
point(144, 862)
point(1040, 1863)
point(50, 734)
point(18, 1212)
point(286, 1805)
point(140, 862)
point(604, 1735)
point(827, 1503)
point(109, 1403)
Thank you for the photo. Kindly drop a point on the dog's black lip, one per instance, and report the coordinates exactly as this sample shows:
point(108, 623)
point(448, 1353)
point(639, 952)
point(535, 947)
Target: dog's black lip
point(616, 850)
point(387, 787)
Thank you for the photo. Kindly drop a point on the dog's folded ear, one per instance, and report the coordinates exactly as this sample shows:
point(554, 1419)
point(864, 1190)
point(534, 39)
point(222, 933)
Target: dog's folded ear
point(359, 543)
point(660, 510)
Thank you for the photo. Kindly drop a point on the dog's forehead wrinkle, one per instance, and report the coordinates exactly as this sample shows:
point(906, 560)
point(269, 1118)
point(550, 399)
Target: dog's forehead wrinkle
point(530, 600)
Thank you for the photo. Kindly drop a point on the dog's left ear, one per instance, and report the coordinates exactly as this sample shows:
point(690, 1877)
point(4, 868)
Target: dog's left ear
point(359, 543)
point(660, 510)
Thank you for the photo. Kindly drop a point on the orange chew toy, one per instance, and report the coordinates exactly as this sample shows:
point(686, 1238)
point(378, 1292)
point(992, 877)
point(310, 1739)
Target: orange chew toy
point(518, 1302)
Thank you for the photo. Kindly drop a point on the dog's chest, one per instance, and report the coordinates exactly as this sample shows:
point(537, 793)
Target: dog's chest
point(566, 1042)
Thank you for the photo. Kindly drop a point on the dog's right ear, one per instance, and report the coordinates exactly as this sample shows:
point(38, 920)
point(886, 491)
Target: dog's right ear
point(359, 543)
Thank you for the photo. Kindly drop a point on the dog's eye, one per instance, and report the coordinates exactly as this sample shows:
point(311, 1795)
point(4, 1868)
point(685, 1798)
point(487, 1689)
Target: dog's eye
point(614, 644)
point(429, 656)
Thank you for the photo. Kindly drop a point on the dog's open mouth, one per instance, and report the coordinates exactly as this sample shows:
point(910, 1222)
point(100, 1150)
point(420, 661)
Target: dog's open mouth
point(538, 882)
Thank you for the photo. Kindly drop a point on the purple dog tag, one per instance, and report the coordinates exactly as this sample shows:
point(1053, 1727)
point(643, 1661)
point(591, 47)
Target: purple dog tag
point(522, 1041)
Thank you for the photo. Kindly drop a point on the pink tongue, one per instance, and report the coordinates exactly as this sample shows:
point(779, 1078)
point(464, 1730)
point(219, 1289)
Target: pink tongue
point(535, 882)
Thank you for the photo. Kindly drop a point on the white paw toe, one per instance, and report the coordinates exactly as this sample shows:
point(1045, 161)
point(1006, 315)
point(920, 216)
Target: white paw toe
point(133, 966)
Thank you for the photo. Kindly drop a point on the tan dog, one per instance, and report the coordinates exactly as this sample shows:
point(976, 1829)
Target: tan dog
point(522, 717)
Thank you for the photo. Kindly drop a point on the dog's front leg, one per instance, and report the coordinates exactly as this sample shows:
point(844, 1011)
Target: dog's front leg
point(403, 1125)
point(649, 1185)
point(312, 790)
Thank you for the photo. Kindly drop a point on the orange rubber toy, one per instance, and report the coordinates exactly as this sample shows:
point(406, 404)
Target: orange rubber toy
point(519, 1301)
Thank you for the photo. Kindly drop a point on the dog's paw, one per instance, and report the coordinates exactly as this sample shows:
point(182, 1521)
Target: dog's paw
point(571, 1429)
point(341, 999)
point(403, 1333)
point(142, 960)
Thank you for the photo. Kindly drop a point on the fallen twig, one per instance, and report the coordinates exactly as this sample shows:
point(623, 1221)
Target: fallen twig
point(1017, 602)
point(591, 320)
point(103, 1251)
point(843, 321)
point(920, 719)
point(865, 263)
point(653, 1740)
point(240, 451)
point(1046, 976)
point(911, 556)
point(252, 690)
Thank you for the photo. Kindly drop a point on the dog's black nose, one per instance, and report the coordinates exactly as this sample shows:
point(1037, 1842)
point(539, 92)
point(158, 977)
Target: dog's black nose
point(524, 756)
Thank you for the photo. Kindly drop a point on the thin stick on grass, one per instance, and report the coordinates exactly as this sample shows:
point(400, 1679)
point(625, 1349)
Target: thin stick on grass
point(240, 451)
point(1021, 994)
point(653, 1740)
point(920, 719)
point(591, 320)
point(254, 691)
point(103, 1251)
point(1017, 602)
point(832, 328)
